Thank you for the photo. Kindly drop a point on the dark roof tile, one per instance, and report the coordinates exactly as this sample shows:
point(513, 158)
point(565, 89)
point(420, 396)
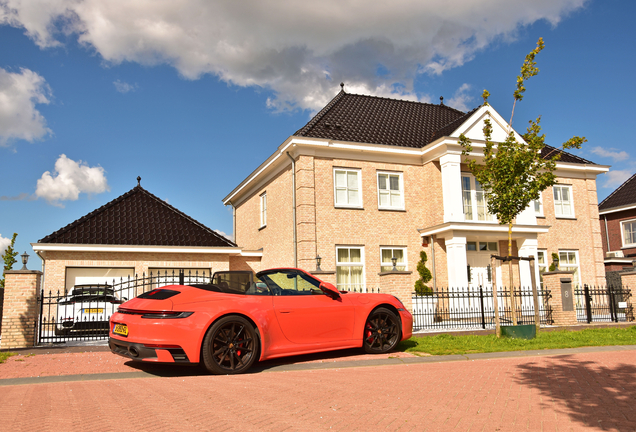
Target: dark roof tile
point(624, 195)
point(138, 218)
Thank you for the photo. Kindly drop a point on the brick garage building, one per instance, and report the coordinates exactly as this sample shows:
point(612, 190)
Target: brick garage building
point(618, 229)
point(370, 178)
point(135, 234)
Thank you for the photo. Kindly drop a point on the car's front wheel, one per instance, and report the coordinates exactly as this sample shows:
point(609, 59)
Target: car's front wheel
point(230, 346)
point(381, 331)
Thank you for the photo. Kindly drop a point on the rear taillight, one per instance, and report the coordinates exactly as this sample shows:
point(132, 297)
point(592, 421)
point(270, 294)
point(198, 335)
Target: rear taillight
point(166, 315)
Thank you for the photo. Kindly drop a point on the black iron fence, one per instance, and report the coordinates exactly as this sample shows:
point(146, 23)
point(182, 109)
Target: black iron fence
point(473, 308)
point(603, 304)
point(82, 313)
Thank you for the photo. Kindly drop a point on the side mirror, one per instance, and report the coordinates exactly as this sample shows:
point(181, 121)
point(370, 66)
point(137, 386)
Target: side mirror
point(330, 290)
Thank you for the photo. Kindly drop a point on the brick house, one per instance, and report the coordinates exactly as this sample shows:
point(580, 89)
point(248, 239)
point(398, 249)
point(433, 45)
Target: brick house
point(135, 234)
point(618, 228)
point(371, 178)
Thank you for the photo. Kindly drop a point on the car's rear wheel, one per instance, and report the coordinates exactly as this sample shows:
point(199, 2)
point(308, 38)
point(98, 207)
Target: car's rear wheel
point(381, 331)
point(230, 346)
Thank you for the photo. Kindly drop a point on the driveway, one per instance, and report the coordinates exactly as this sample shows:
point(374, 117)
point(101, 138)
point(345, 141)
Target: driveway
point(560, 390)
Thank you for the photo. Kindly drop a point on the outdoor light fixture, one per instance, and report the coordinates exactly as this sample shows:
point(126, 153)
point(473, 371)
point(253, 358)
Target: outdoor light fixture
point(25, 259)
point(394, 261)
point(318, 259)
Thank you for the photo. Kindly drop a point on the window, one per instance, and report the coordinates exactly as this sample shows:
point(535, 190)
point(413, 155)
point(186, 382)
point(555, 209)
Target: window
point(481, 246)
point(474, 200)
point(390, 191)
point(628, 228)
point(569, 261)
point(263, 209)
point(538, 206)
point(542, 264)
point(350, 268)
point(347, 190)
point(563, 205)
point(387, 253)
point(290, 282)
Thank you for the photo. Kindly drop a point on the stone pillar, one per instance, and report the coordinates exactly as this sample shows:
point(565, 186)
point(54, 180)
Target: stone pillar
point(452, 187)
point(398, 283)
point(21, 289)
point(456, 262)
point(556, 282)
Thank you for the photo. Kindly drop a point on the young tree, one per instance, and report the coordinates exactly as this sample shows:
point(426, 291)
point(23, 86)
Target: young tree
point(9, 258)
point(514, 172)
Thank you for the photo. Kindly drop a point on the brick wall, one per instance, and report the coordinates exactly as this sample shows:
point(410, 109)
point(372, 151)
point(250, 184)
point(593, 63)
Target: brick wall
point(582, 234)
point(20, 308)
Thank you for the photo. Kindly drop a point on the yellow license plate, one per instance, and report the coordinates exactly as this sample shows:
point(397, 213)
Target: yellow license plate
point(94, 310)
point(121, 330)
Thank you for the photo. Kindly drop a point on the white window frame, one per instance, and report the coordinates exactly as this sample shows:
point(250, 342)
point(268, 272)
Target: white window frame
point(558, 204)
point(538, 212)
point(541, 265)
point(403, 263)
point(400, 177)
point(473, 201)
point(623, 241)
point(576, 279)
point(263, 199)
point(335, 188)
point(352, 264)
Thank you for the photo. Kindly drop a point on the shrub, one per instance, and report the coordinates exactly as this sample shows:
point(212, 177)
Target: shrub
point(425, 276)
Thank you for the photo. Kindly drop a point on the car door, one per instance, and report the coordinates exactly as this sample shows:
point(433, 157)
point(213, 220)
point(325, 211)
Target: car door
point(305, 313)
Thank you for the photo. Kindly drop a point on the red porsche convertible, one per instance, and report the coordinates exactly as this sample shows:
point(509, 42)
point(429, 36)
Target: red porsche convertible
point(239, 318)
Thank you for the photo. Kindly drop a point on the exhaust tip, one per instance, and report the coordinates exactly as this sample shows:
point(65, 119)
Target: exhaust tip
point(133, 351)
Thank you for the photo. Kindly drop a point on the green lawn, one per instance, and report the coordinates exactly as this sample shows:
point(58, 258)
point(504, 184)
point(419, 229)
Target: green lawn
point(446, 344)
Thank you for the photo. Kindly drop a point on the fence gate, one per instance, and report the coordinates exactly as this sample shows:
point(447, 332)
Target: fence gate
point(604, 304)
point(83, 312)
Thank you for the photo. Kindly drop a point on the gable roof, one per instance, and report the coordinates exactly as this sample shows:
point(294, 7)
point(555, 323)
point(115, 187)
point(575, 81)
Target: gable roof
point(138, 218)
point(624, 195)
point(378, 120)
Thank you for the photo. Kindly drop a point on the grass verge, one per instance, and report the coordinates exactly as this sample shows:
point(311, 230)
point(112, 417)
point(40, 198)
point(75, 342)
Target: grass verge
point(5, 355)
point(446, 344)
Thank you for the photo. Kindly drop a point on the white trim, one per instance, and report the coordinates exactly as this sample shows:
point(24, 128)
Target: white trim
point(358, 172)
point(617, 209)
point(484, 227)
point(43, 247)
point(401, 189)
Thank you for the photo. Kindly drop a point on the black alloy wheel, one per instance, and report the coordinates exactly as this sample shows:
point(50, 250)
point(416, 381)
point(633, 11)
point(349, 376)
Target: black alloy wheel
point(381, 331)
point(230, 346)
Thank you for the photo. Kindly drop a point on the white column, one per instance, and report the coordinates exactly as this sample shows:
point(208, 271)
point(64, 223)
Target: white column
point(527, 216)
point(456, 262)
point(452, 187)
point(528, 247)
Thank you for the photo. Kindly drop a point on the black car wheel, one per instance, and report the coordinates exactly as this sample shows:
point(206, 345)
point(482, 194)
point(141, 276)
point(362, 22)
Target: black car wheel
point(381, 331)
point(230, 346)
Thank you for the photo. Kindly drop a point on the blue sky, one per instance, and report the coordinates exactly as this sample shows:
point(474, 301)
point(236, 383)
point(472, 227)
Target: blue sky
point(193, 95)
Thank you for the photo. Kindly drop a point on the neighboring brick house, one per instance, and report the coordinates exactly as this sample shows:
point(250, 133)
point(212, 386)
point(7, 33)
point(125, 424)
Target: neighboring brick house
point(618, 228)
point(135, 234)
point(371, 178)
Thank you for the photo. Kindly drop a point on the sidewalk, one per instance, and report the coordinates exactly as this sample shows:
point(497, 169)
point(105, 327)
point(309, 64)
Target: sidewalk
point(582, 389)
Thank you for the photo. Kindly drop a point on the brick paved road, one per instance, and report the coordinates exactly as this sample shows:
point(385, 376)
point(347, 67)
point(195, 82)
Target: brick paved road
point(587, 391)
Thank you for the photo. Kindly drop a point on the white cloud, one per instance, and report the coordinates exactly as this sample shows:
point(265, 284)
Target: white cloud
point(301, 50)
point(19, 94)
point(124, 87)
point(69, 180)
point(461, 98)
point(616, 155)
point(4, 243)
point(615, 178)
point(227, 236)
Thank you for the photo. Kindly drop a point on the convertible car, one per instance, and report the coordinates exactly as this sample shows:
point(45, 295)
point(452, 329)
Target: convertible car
point(239, 319)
